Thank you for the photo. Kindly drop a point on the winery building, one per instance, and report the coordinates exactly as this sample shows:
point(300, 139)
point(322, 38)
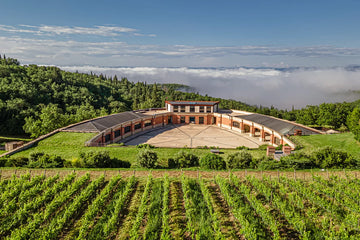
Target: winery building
point(116, 127)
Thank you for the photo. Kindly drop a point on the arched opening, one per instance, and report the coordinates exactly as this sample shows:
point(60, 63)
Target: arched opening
point(267, 137)
point(257, 132)
point(246, 128)
point(236, 124)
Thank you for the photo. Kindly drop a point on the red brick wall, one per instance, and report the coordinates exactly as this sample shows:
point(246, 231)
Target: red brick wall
point(226, 121)
point(158, 120)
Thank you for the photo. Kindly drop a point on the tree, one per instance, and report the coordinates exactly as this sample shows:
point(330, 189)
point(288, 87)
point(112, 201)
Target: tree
point(353, 122)
point(308, 115)
point(85, 112)
point(212, 161)
point(95, 159)
point(147, 158)
point(117, 106)
point(50, 118)
point(186, 159)
point(239, 160)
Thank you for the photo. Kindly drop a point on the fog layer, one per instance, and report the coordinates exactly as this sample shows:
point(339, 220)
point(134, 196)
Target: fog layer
point(282, 88)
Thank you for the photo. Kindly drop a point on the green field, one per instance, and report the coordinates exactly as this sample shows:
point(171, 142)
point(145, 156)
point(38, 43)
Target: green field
point(344, 141)
point(80, 207)
point(68, 145)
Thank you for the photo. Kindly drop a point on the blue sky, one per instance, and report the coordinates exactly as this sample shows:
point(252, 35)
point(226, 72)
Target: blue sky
point(182, 33)
point(218, 47)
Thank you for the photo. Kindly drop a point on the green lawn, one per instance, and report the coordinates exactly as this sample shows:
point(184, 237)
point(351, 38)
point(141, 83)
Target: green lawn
point(68, 145)
point(4, 139)
point(2, 151)
point(344, 141)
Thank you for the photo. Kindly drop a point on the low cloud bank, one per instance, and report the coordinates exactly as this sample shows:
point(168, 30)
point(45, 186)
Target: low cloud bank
point(282, 88)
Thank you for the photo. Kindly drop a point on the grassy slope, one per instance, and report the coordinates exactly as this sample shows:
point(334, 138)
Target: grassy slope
point(68, 145)
point(4, 139)
point(344, 141)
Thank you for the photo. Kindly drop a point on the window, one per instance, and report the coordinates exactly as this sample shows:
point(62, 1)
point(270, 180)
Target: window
point(138, 126)
point(176, 108)
point(202, 109)
point(147, 123)
point(214, 120)
point(127, 129)
point(117, 133)
point(182, 109)
point(107, 137)
point(182, 119)
point(236, 124)
point(201, 120)
point(208, 109)
point(192, 108)
point(192, 119)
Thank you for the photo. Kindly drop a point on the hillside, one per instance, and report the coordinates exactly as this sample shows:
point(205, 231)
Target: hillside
point(38, 99)
point(344, 142)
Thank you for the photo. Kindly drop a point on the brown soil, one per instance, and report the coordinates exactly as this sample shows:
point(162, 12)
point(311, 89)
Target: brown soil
point(7, 173)
point(68, 229)
point(177, 212)
point(229, 225)
point(129, 213)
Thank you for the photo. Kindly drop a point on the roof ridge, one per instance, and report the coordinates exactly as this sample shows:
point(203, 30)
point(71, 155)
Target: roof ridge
point(99, 125)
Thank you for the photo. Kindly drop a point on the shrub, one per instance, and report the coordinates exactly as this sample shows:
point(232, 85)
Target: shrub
point(147, 158)
point(17, 162)
point(3, 161)
point(42, 160)
point(267, 163)
point(145, 145)
point(212, 161)
point(185, 159)
point(298, 160)
point(263, 147)
point(242, 148)
point(95, 159)
point(172, 163)
point(117, 163)
point(34, 156)
point(239, 160)
point(202, 147)
point(77, 162)
point(279, 147)
point(328, 157)
point(98, 160)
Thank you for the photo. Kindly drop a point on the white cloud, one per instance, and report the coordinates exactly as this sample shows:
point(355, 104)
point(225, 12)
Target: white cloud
point(97, 30)
point(12, 29)
point(104, 31)
point(115, 53)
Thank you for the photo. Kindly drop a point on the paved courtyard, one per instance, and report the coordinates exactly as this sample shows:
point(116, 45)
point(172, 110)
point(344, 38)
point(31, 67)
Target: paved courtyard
point(178, 136)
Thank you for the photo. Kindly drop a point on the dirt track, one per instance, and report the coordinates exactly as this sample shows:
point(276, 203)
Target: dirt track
point(7, 173)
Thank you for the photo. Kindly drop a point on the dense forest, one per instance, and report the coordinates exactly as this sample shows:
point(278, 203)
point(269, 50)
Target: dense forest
point(37, 99)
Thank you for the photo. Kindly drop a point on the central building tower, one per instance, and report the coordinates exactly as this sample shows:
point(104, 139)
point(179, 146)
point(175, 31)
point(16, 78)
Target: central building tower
point(199, 112)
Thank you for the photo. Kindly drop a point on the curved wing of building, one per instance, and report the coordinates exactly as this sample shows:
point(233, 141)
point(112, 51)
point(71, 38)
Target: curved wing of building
point(116, 127)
